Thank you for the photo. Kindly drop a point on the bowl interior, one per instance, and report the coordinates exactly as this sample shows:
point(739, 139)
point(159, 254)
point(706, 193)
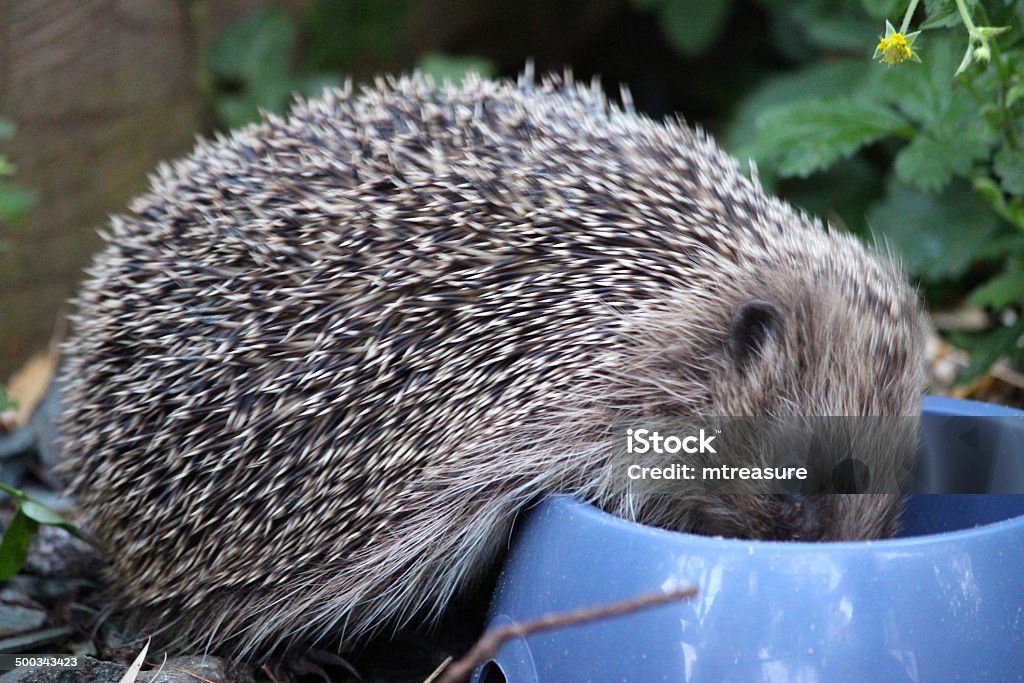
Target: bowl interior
point(934, 514)
point(966, 448)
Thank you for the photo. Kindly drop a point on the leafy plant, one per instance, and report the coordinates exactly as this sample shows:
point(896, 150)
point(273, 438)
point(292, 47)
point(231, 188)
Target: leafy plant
point(927, 156)
point(18, 534)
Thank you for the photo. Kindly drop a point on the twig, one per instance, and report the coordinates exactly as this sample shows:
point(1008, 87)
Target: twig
point(488, 644)
point(439, 670)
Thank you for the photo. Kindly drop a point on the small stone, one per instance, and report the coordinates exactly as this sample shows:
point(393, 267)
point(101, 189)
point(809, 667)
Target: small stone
point(47, 590)
point(35, 640)
point(16, 443)
point(191, 669)
point(43, 424)
point(54, 552)
point(18, 612)
point(16, 619)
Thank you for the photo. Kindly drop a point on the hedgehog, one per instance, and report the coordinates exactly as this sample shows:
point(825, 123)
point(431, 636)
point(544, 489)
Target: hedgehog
point(324, 362)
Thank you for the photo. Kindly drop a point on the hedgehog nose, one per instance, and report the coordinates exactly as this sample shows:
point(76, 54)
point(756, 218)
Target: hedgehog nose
point(802, 517)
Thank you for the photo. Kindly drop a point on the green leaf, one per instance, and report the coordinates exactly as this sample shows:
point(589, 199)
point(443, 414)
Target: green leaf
point(257, 49)
point(6, 167)
point(14, 546)
point(938, 236)
point(252, 63)
point(819, 80)
point(841, 195)
point(812, 136)
point(915, 164)
point(40, 513)
point(799, 26)
point(988, 347)
point(15, 202)
point(6, 130)
point(443, 67)
point(929, 163)
point(944, 13)
point(1009, 166)
point(1002, 290)
point(342, 34)
point(1014, 94)
point(996, 249)
point(233, 112)
point(6, 402)
point(692, 25)
point(882, 9)
point(846, 33)
point(989, 192)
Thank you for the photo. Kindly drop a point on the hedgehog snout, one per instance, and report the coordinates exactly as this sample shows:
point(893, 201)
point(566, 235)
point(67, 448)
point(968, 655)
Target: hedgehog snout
point(765, 517)
point(802, 518)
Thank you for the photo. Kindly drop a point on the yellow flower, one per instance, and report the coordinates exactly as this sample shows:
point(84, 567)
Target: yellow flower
point(895, 48)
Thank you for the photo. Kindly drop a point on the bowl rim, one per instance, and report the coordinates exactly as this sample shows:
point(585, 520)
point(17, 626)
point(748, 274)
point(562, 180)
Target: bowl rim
point(938, 406)
point(594, 514)
point(944, 406)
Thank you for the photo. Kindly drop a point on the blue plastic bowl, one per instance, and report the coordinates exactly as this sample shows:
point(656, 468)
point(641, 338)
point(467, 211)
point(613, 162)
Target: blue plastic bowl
point(944, 602)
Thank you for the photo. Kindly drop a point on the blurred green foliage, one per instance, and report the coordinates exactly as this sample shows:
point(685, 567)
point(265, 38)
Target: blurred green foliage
point(254, 65)
point(15, 200)
point(6, 402)
point(442, 67)
point(260, 63)
point(918, 157)
point(690, 25)
point(342, 33)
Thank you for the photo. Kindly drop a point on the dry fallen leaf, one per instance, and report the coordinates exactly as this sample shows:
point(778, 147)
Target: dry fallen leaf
point(28, 385)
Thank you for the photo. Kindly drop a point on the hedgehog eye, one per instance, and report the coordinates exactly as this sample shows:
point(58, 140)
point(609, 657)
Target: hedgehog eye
point(752, 325)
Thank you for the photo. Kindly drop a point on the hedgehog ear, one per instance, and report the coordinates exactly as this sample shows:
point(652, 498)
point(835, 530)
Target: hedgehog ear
point(753, 324)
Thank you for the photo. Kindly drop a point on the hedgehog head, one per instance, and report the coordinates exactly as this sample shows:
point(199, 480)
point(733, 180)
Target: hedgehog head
point(819, 343)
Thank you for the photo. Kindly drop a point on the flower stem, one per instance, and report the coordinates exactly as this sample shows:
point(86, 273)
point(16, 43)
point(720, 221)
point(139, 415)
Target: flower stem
point(910, 12)
point(1003, 79)
point(965, 15)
